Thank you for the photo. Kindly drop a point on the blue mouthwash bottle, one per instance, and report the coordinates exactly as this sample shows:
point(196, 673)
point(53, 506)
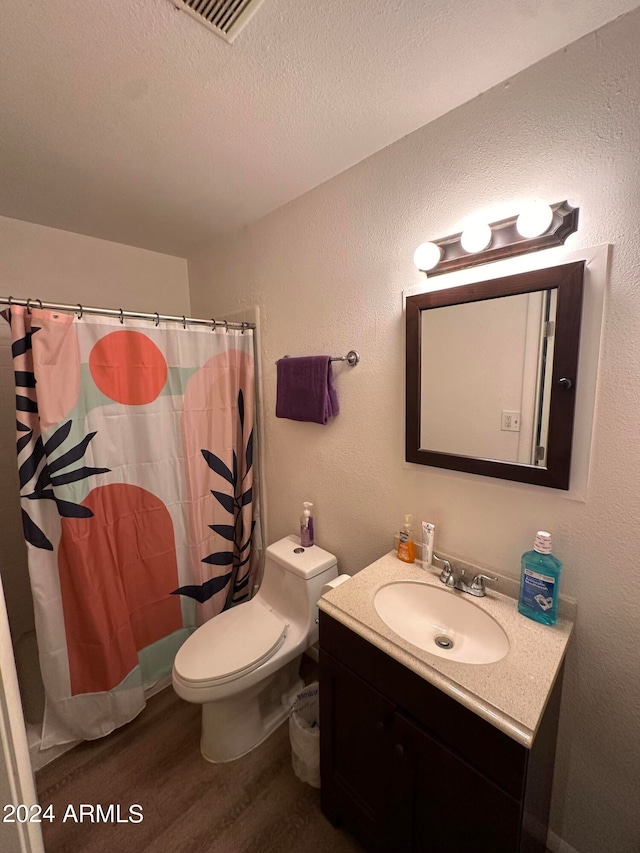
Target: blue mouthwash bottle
point(540, 581)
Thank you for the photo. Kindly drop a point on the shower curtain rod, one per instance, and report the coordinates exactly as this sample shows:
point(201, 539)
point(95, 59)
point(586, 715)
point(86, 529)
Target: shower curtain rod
point(118, 312)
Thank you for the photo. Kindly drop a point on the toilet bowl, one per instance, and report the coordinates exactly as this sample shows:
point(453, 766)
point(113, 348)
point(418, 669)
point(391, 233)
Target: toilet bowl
point(242, 666)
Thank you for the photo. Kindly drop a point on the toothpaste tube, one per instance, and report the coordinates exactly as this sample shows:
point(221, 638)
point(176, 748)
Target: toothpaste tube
point(428, 534)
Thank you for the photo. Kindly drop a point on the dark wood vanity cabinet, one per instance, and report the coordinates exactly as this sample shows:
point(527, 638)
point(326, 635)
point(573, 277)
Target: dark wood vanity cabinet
point(407, 768)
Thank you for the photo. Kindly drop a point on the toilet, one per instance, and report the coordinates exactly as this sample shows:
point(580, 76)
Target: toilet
point(242, 665)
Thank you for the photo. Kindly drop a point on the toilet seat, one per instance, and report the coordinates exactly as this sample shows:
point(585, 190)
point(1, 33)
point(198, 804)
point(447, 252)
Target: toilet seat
point(230, 645)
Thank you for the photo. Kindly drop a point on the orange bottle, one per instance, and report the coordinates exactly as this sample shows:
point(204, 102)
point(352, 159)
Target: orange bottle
point(406, 545)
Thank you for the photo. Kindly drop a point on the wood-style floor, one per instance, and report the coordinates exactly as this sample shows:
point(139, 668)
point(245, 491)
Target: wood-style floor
point(252, 805)
point(255, 804)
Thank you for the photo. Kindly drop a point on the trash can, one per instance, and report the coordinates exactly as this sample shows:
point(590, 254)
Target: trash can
point(304, 731)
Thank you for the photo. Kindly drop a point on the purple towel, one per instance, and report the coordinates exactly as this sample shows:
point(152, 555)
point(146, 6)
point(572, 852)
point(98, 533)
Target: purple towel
point(306, 391)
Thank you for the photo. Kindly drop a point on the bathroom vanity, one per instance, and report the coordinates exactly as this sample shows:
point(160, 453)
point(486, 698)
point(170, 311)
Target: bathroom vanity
point(420, 753)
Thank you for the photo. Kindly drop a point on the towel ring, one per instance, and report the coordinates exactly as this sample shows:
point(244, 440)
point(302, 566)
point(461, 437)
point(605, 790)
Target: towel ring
point(81, 311)
point(157, 319)
point(122, 316)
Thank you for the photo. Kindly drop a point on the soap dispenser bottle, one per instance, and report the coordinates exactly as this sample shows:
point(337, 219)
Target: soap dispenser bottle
point(540, 581)
point(306, 525)
point(406, 545)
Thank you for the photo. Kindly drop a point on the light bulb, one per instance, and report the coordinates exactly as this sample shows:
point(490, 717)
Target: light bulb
point(476, 238)
point(534, 220)
point(427, 256)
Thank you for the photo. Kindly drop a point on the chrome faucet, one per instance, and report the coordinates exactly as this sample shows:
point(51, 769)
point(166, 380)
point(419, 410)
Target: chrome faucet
point(449, 578)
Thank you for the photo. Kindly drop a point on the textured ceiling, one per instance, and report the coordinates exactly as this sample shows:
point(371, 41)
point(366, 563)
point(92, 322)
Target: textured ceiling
point(128, 120)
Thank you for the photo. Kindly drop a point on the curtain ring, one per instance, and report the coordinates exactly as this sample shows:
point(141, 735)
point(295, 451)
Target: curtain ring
point(28, 306)
point(226, 325)
point(81, 311)
point(122, 316)
point(184, 322)
point(10, 301)
point(243, 324)
point(213, 326)
point(157, 319)
point(40, 301)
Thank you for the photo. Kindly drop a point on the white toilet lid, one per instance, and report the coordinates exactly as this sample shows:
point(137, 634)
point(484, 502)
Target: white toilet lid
point(237, 640)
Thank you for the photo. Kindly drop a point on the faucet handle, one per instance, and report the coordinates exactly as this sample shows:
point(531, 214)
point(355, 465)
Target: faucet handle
point(477, 584)
point(446, 575)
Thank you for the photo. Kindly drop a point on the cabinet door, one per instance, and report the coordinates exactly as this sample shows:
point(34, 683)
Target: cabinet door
point(454, 809)
point(356, 724)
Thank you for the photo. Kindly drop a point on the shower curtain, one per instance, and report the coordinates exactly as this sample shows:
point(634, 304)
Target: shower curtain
point(135, 460)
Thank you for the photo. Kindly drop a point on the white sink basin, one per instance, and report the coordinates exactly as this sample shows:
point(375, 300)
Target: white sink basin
point(441, 622)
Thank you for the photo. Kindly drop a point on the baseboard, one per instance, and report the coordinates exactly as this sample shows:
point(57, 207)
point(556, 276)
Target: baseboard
point(557, 845)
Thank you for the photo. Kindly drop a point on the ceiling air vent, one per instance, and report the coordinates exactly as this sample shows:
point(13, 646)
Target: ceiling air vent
point(225, 17)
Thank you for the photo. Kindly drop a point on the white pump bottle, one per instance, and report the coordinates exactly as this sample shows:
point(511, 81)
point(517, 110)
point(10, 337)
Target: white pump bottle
point(306, 525)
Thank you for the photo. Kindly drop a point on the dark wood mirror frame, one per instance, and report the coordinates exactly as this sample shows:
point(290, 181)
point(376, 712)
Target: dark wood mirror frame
point(568, 280)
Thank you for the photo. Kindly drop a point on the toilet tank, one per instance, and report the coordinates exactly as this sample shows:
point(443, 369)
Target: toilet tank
point(293, 580)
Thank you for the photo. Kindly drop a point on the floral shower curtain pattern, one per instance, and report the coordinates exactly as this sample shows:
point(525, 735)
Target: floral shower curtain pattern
point(135, 462)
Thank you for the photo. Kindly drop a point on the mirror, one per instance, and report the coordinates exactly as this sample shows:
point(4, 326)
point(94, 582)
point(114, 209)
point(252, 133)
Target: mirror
point(491, 375)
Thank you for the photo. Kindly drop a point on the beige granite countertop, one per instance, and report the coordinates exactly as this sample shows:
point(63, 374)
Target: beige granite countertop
point(511, 694)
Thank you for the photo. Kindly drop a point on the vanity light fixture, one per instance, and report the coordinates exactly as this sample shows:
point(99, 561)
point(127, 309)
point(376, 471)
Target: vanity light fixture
point(539, 226)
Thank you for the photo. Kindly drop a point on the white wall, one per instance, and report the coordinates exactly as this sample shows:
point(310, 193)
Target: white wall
point(58, 266)
point(327, 272)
